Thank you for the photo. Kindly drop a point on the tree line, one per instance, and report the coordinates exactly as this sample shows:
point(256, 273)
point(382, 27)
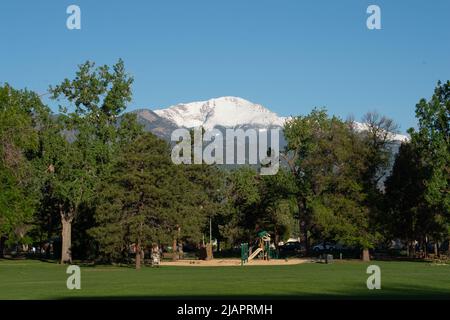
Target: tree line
point(91, 177)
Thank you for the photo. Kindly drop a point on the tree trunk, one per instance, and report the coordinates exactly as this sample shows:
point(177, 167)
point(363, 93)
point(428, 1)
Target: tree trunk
point(2, 246)
point(303, 223)
point(306, 240)
point(435, 249)
point(413, 249)
point(209, 252)
point(66, 253)
point(307, 224)
point(143, 256)
point(365, 255)
point(425, 250)
point(448, 246)
point(174, 250)
point(277, 239)
point(138, 257)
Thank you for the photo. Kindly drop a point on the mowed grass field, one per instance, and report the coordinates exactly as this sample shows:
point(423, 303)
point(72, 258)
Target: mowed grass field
point(27, 279)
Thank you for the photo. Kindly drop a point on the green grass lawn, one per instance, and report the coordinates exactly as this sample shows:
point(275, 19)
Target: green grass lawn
point(26, 279)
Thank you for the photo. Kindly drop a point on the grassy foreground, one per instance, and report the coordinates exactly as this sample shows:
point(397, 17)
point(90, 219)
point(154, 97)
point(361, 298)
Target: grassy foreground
point(42, 280)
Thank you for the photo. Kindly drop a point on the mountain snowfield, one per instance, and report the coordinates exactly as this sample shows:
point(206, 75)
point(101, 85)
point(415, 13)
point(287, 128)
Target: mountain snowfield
point(223, 111)
point(360, 127)
point(230, 112)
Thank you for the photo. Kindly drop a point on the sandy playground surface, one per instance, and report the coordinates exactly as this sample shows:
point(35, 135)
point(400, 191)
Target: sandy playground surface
point(233, 262)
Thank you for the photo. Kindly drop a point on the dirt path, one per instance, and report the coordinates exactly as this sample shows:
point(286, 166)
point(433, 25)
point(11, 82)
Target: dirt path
point(233, 262)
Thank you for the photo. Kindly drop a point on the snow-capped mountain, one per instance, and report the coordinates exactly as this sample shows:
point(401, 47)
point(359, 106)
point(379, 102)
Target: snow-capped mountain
point(226, 112)
point(361, 127)
point(223, 111)
point(159, 126)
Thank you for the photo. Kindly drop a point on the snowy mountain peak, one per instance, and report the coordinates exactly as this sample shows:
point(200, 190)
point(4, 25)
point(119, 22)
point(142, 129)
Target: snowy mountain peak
point(361, 127)
point(223, 111)
point(232, 112)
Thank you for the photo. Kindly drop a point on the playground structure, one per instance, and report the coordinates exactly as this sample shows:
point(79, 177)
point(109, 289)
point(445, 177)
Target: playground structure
point(263, 250)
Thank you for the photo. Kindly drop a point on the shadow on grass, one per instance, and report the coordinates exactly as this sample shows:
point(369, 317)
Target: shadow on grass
point(404, 292)
point(268, 298)
point(83, 264)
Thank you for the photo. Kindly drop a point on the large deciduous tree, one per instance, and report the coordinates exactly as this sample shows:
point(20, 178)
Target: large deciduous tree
point(376, 152)
point(21, 122)
point(89, 119)
point(301, 134)
point(337, 170)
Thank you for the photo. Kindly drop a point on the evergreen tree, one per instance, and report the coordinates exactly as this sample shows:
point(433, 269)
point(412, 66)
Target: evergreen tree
point(432, 140)
point(407, 215)
point(135, 200)
point(147, 200)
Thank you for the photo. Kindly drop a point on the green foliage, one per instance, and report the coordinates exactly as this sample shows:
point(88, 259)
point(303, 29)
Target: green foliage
point(243, 198)
point(259, 203)
point(408, 215)
point(21, 116)
point(147, 199)
point(432, 138)
point(131, 207)
point(79, 159)
point(327, 160)
point(92, 165)
point(423, 167)
point(101, 93)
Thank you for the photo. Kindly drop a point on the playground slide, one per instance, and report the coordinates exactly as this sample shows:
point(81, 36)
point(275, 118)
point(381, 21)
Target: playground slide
point(254, 254)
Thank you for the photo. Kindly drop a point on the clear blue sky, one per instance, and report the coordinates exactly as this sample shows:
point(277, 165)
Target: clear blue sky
point(287, 55)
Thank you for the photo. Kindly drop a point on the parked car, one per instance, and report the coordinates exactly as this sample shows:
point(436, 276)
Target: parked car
point(398, 244)
point(323, 247)
point(293, 246)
